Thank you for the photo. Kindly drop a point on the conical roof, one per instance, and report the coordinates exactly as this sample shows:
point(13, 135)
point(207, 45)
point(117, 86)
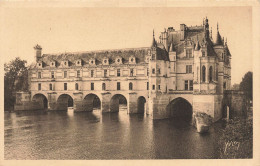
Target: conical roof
point(218, 40)
point(172, 48)
point(154, 43)
point(197, 47)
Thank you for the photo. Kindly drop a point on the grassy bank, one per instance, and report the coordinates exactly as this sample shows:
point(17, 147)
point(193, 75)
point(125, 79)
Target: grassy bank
point(236, 140)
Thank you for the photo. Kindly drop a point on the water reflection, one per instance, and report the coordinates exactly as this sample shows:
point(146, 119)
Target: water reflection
point(97, 135)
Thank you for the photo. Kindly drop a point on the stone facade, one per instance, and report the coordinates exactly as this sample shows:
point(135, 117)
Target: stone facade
point(185, 64)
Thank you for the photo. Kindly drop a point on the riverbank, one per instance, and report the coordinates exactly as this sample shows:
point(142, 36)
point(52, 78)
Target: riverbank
point(236, 140)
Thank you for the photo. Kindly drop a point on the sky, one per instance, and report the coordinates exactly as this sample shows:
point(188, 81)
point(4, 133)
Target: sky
point(60, 30)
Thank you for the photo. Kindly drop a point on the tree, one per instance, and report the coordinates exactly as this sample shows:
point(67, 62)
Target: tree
point(246, 84)
point(15, 79)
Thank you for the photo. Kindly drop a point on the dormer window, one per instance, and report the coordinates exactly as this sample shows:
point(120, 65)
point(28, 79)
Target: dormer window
point(78, 62)
point(188, 53)
point(92, 61)
point(147, 59)
point(132, 60)
point(119, 60)
point(203, 53)
point(65, 63)
point(53, 64)
point(39, 64)
point(105, 61)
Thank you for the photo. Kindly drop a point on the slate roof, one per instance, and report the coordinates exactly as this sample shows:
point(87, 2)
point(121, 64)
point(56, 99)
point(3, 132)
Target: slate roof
point(138, 53)
point(195, 34)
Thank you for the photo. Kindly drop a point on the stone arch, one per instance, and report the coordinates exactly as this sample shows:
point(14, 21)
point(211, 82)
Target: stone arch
point(180, 108)
point(118, 101)
point(64, 101)
point(40, 101)
point(141, 104)
point(91, 102)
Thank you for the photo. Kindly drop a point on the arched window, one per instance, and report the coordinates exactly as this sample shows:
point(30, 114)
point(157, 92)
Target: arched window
point(50, 86)
point(216, 73)
point(203, 73)
point(76, 86)
point(103, 86)
point(210, 74)
point(130, 86)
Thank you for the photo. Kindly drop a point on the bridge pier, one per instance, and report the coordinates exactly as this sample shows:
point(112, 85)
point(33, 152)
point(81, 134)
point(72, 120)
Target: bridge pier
point(132, 103)
point(105, 102)
point(210, 104)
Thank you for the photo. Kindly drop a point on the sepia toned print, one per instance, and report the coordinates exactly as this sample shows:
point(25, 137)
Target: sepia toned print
point(173, 98)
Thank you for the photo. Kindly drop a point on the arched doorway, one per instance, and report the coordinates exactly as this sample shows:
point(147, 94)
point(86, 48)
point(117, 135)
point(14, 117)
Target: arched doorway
point(64, 101)
point(91, 102)
point(141, 104)
point(118, 102)
point(40, 101)
point(180, 109)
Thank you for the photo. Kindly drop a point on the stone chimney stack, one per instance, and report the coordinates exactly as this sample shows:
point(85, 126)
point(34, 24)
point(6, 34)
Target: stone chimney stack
point(38, 50)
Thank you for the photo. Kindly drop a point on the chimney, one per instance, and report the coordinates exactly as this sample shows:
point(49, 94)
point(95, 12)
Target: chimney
point(38, 50)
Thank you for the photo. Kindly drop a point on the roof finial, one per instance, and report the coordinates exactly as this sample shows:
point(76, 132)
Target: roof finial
point(211, 32)
point(153, 33)
point(226, 41)
point(217, 26)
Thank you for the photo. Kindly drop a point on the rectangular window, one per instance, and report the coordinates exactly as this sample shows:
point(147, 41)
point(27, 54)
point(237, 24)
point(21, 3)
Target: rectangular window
point(65, 74)
point(78, 74)
point(39, 75)
point(203, 53)
point(147, 85)
point(147, 71)
point(153, 71)
point(105, 73)
point(186, 85)
point(39, 86)
point(92, 73)
point(159, 71)
point(188, 53)
point(50, 86)
point(191, 84)
point(65, 86)
point(118, 86)
point(153, 87)
point(52, 74)
point(118, 72)
point(131, 72)
point(159, 87)
point(92, 86)
point(224, 85)
point(188, 68)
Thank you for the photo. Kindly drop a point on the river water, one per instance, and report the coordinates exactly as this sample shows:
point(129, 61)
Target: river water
point(93, 135)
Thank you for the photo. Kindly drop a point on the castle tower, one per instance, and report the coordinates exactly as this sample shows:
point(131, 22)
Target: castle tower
point(38, 50)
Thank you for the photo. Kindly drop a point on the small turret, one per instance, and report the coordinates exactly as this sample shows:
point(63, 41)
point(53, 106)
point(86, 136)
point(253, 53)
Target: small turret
point(38, 50)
